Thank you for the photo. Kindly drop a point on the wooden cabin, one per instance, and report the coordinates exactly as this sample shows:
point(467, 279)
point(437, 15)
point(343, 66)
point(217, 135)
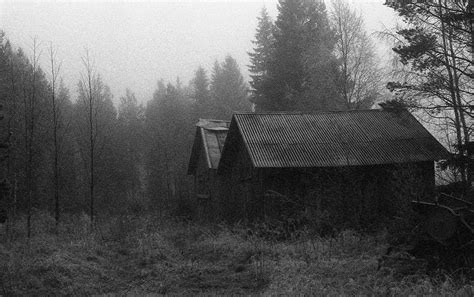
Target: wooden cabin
point(327, 156)
point(205, 155)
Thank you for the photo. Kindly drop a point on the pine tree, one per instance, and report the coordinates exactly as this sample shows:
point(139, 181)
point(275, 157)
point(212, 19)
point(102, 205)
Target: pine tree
point(436, 46)
point(260, 58)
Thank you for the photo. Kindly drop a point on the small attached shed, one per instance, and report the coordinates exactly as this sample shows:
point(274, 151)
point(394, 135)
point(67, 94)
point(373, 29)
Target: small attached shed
point(205, 155)
point(300, 154)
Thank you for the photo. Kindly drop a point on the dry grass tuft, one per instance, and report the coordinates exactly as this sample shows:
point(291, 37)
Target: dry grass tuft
point(138, 255)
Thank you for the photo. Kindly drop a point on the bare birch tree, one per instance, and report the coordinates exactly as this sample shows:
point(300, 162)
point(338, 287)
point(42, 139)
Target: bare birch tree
point(55, 69)
point(361, 82)
point(30, 109)
point(88, 78)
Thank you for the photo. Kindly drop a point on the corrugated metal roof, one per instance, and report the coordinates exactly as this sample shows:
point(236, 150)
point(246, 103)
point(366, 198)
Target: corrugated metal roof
point(329, 139)
point(210, 137)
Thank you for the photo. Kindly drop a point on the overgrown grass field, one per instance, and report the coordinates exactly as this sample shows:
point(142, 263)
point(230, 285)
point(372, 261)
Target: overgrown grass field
point(151, 255)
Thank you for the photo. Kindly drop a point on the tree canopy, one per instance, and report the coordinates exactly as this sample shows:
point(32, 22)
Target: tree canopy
point(435, 46)
point(302, 70)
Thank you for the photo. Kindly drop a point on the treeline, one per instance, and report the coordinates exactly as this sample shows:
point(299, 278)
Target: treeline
point(65, 153)
point(74, 153)
point(310, 59)
point(81, 153)
point(170, 119)
point(47, 133)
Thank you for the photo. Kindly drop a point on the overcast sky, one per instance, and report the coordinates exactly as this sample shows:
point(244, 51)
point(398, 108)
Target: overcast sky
point(136, 43)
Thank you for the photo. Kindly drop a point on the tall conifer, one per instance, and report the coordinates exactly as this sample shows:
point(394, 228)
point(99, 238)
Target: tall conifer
point(303, 70)
point(260, 58)
point(228, 89)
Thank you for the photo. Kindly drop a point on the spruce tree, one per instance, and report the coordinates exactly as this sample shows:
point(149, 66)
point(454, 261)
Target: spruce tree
point(303, 71)
point(129, 142)
point(201, 86)
point(201, 94)
point(228, 89)
point(170, 130)
point(260, 58)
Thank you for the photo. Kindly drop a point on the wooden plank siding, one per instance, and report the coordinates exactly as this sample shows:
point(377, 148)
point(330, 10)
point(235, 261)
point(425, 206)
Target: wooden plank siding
point(247, 191)
point(206, 188)
point(355, 161)
point(206, 151)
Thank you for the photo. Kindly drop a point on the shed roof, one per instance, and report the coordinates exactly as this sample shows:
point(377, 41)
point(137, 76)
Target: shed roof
point(210, 137)
point(330, 139)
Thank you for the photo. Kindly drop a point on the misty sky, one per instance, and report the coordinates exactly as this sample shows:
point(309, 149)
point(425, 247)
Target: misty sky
point(135, 43)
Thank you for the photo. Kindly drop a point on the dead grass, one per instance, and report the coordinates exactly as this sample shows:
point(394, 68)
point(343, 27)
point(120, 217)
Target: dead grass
point(135, 256)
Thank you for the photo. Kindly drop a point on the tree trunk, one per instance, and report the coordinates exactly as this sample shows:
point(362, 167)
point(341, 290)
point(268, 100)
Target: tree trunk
point(457, 108)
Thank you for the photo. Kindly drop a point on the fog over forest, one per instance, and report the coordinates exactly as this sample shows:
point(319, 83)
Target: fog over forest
point(136, 43)
point(290, 147)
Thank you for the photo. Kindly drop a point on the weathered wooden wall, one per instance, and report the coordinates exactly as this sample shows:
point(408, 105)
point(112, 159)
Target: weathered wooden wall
point(377, 188)
point(205, 189)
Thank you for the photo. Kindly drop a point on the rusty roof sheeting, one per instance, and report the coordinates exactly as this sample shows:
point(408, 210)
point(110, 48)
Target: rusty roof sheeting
point(330, 139)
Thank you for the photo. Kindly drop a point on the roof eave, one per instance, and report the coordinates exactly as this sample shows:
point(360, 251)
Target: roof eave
point(239, 131)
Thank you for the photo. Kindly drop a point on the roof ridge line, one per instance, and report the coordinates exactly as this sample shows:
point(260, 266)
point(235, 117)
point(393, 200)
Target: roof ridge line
point(213, 120)
point(311, 112)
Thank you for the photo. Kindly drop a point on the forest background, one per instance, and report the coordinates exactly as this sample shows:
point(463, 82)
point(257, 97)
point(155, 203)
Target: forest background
point(76, 151)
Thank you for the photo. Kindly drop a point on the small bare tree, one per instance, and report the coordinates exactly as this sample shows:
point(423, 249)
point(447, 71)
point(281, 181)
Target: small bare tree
point(30, 110)
point(55, 69)
point(88, 78)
